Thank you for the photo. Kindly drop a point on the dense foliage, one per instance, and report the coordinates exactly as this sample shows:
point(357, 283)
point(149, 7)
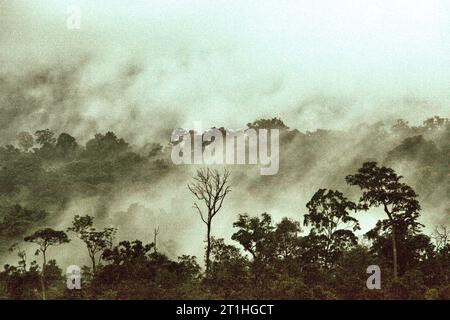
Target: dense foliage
point(318, 258)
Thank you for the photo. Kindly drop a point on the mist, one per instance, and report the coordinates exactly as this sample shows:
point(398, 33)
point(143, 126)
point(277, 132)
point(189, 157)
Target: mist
point(222, 63)
point(144, 68)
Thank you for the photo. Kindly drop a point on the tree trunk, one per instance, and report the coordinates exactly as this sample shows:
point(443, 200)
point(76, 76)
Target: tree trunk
point(208, 247)
point(394, 250)
point(43, 276)
point(394, 240)
point(93, 264)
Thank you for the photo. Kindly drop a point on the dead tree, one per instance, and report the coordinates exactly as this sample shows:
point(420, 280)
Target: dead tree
point(155, 236)
point(210, 187)
point(441, 236)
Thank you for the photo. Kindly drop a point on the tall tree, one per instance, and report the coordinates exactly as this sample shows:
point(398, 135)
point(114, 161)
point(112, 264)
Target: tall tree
point(257, 236)
point(413, 247)
point(211, 187)
point(96, 241)
point(66, 144)
point(46, 238)
point(45, 137)
point(229, 268)
point(287, 238)
point(382, 187)
point(329, 217)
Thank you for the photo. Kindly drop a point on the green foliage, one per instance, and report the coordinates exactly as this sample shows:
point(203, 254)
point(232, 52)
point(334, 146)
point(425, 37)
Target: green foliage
point(66, 145)
point(106, 145)
point(272, 259)
point(273, 123)
point(47, 237)
point(331, 225)
point(229, 270)
point(134, 271)
point(95, 241)
point(20, 282)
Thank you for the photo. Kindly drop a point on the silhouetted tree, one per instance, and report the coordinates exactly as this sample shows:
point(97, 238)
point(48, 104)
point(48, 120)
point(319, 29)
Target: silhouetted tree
point(45, 137)
point(382, 187)
point(330, 221)
point(66, 144)
point(256, 235)
point(21, 281)
point(104, 145)
point(96, 241)
point(229, 269)
point(435, 123)
point(274, 123)
point(286, 236)
point(211, 187)
point(46, 238)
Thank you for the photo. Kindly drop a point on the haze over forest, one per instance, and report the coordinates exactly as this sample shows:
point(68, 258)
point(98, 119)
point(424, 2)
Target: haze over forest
point(335, 77)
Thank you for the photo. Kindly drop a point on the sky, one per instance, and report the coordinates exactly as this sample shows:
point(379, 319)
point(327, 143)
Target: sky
point(143, 68)
point(160, 64)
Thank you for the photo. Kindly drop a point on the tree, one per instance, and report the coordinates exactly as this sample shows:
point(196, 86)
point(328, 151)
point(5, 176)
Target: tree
point(135, 271)
point(128, 253)
point(418, 149)
point(20, 282)
point(287, 238)
point(211, 187)
point(256, 235)
point(401, 126)
point(46, 238)
point(96, 241)
point(105, 145)
point(435, 123)
point(128, 270)
point(25, 141)
point(382, 187)
point(441, 236)
point(45, 137)
point(155, 238)
point(329, 217)
point(229, 268)
point(153, 149)
point(413, 247)
point(66, 144)
point(273, 123)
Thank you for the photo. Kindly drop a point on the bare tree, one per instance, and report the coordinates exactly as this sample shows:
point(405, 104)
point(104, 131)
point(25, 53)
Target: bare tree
point(441, 236)
point(210, 187)
point(155, 237)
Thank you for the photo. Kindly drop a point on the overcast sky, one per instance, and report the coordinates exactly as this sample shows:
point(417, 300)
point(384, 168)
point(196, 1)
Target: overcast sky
point(313, 63)
point(143, 68)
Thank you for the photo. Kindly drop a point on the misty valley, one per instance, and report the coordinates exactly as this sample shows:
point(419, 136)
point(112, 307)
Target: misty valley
point(384, 205)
